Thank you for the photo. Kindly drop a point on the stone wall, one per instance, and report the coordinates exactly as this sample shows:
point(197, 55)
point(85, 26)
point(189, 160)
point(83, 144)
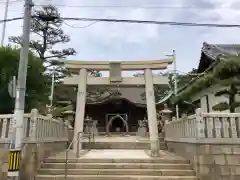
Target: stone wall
point(210, 161)
point(3, 161)
point(33, 155)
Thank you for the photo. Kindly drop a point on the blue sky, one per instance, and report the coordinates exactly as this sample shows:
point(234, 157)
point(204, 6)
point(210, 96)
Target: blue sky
point(112, 41)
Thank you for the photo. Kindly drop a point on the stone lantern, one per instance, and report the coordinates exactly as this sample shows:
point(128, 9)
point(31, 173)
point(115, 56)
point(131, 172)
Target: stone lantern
point(87, 126)
point(68, 117)
point(166, 117)
point(166, 113)
point(184, 115)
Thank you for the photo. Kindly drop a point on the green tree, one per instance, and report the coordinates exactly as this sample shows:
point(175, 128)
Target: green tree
point(227, 74)
point(182, 80)
point(230, 92)
point(36, 86)
point(65, 94)
point(46, 28)
point(47, 32)
point(159, 91)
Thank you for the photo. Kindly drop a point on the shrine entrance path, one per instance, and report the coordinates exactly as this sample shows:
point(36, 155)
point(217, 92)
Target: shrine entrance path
point(118, 154)
point(117, 138)
point(121, 142)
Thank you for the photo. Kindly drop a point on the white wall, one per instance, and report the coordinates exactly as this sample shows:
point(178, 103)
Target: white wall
point(212, 99)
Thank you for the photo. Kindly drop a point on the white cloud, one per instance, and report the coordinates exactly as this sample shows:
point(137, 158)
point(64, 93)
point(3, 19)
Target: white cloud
point(119, 41)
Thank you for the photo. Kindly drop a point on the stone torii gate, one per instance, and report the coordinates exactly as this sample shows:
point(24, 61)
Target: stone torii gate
point(116, 79)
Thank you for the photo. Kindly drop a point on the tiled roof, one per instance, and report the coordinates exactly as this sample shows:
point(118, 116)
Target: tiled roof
point(132, 94)
point(215, 50)
point(212, 51)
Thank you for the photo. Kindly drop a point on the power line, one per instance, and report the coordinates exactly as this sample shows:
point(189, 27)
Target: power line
point(72, 26)
point(127, 7)
point(156, 22)
point(11, 1)
point(11, 19)
point(177, 6)
point(171, 23)
point(136, 7)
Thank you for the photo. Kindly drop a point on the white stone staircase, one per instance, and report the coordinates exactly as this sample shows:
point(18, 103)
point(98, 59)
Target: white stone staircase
point(121, 142)
point(126, 165)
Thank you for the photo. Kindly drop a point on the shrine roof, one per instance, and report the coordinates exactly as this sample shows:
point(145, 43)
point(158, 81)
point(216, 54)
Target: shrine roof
point(116, 99)
point(210, 53)
point(134, 95)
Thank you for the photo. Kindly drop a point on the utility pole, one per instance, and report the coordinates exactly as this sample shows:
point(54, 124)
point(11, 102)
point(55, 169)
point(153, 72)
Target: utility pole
point(16, 133)
point(175, 81)
point(4, 23)
point(52, 89)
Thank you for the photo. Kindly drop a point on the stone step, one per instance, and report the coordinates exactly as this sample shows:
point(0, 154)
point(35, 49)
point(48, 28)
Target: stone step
point(112, 177)
point(117, 166)
point(121, 145)
point(82, 160)
point(152, 172)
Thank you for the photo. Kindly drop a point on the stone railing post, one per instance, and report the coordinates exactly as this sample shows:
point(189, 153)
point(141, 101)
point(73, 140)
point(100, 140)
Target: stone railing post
point(65, 129)
point(233, 124)
point(48, 129)
point(199, 124)
point(4, 128)
point(60, 128)
point(33, 124)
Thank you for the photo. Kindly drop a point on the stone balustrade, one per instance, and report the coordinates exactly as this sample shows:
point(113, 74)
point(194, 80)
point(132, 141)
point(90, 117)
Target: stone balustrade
point(205, 128)
point(43, 137)
point(35, 128)
point(182, 129)
point(211, 141)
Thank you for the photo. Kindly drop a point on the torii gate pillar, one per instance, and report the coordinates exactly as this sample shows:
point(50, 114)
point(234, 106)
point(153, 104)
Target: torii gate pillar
point(151, 112)
point(80, 109)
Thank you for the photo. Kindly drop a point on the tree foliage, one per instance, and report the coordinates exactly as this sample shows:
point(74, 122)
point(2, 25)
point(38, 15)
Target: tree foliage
point(58, 111)
point(226, 73)
point(182, 80)
point(158, 90)
point(46, 35)
point(230, 91)
point(227, 67)
point(222, 106)
point(198, 84)
point(94, 93)
point(36, 86)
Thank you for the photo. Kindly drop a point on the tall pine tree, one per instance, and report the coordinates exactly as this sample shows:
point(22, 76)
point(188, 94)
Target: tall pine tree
point(226, 74)
point(46, 33)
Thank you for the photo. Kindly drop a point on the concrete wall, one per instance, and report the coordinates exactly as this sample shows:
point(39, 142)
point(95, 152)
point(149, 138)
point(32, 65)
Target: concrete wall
point(33, 155)
point(211, 161)
point(3, 161)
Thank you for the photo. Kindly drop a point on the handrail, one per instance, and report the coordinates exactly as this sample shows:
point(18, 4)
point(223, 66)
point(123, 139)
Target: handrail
point(77, 137)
